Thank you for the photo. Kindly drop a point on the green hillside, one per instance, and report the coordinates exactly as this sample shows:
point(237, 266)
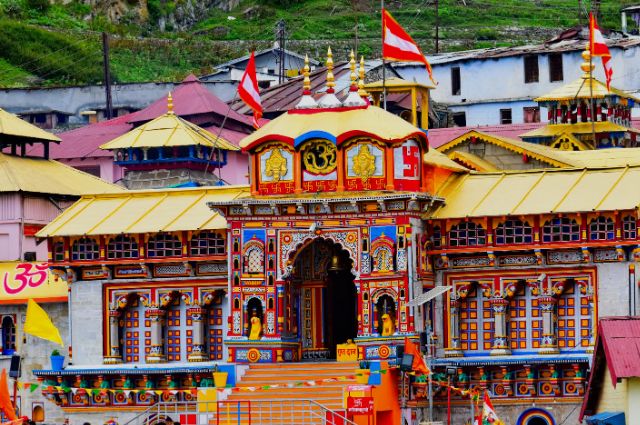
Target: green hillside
point(55, 44)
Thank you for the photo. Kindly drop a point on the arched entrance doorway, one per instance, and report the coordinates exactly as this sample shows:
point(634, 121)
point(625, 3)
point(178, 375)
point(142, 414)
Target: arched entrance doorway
point(322, 288)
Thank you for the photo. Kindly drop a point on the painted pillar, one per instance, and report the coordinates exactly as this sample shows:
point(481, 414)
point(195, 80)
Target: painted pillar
point(500, 346)
point(115, 354)
point(297, 172)
point(198, 346)
point(388, 155)
point(549, 341)
point(454, 349)
point(156, 353)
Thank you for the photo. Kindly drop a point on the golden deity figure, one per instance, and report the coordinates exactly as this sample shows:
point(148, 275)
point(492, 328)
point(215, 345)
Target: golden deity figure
point(388, 327)
point(256, 327)
point(276, 165)
point(364, 163)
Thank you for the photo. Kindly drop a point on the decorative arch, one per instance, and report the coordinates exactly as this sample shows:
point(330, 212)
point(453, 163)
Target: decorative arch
point(383, 252)
point(536, 416)
point(253, 257)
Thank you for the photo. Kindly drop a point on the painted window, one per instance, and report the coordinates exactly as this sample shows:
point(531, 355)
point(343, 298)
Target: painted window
point(524, 320)
point(601, 229)
point(136, 333)
point(629, 227)
point(254, 257)
point(455, 81)
point(506, 116)
point(560, 230)
point(164, 245)
point(214, 333)
point(122, 247)
point(8, 335)
point(531, 114)
point(467, 234)
point(574, 319)
point(178, 330)
point(208, 243)
point(476, 322)
point(514, 232)
point(531, 70)
point(436, 237)
point(57, 251)
point(555, 67)
point(85, 249)
point(382, 257)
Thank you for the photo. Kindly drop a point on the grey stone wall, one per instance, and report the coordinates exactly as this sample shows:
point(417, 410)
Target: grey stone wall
point(86, 320)
point(156, 179)
point(563, 413)
point(613, 289)
point(502, 158)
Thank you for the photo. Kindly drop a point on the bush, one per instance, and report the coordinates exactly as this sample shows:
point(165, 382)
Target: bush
point(38, 5)
point(12, 8)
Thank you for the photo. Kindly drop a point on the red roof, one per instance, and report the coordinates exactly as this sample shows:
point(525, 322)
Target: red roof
point(619, 343)
point(440, 136)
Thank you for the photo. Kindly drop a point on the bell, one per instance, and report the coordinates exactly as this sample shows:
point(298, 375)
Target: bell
point(336, 265)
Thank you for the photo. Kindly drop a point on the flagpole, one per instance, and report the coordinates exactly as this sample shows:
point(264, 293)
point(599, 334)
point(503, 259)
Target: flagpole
point(384, 63)
point(591, 105)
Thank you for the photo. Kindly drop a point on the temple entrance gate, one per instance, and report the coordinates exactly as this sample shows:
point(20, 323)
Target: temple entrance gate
point(323, 290)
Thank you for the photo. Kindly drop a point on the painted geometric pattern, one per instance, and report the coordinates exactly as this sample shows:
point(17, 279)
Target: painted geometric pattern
point(214, 333)
point(135, 325)
point(173, 335)
point(525, 322)
point(574, 319)
point(476, 323)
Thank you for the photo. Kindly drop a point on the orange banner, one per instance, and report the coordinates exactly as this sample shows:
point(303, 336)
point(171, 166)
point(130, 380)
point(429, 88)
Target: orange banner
point(21, 281)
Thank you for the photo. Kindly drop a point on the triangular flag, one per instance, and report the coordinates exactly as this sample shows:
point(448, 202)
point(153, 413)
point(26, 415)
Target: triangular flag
point(127, 393)
point(489, 416)
point(5, 399)
point(397, 45)
point(598, 47)
point(249, 92)
point(418, 362)
point(39, 324)
point(33, 387)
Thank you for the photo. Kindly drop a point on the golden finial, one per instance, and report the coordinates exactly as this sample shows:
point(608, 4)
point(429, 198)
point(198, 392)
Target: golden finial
point(361, 91)
point(330, 78)
point(306, 84)
point(169, 104)
point(352, 66)
point(587, 64)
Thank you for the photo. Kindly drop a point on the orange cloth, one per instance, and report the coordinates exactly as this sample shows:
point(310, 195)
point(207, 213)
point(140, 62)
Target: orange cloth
point(5, 400)
point(418, 365)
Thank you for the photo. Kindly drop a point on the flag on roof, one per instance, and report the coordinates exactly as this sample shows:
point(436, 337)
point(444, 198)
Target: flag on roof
point(489, 416)
point(248, 90)
point(397, 45)
point(598, 47)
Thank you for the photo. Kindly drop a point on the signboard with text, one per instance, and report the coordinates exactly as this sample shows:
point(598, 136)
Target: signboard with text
point(21, 281)
point(360, 405)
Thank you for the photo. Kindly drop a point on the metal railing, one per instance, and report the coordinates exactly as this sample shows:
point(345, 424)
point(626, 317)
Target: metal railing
point(240, 412)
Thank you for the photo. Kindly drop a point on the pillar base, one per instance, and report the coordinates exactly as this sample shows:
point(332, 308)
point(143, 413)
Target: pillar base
point(549, 350)
point(112, 360)
point(502, 351)
point(156, 358)
point(198, 357)
point(452, 352)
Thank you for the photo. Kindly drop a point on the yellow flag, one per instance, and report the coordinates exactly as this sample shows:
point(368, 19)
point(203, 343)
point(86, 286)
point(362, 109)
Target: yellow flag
point(39, 324)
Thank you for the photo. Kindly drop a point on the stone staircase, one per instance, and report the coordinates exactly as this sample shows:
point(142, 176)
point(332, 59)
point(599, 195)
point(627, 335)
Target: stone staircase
point(280, 405)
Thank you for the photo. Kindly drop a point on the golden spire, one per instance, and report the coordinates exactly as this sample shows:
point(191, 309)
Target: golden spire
point(586, 66)
point(306, 84)
point(361, 91)
point(352, 67)
point(169, 104)
point(330, 78)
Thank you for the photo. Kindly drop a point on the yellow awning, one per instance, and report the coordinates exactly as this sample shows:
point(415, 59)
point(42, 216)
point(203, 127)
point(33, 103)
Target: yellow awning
point(579, 89)
point(168, 130)
point(13, 127)
point(437, 159)
point(147, 211)
point(551, 130)
point(40, 175)
point(472, 161)
point(540, 192)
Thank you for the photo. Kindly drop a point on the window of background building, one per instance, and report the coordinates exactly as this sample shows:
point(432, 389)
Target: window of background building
point(531, 71)
point(555, 67)
point(531, 114)
point(459, 119)
point(455, 80)
point(505, 116)
point(90, 169)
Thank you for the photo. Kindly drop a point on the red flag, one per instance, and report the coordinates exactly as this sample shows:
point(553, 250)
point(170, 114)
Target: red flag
point(598, 47)
point(248, 90)
point(397, 45)
point(5, 399)
point(418, 362)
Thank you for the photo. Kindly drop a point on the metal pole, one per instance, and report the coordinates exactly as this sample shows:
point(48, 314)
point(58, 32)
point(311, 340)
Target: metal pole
point(384, 67)
point(437, 28)
point(592, 105)
point(448, 399)
point(107, 74)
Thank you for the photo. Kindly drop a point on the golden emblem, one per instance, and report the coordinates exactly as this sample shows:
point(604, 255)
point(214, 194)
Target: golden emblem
point(319, 157)
point(364, 163)
point(276, 165)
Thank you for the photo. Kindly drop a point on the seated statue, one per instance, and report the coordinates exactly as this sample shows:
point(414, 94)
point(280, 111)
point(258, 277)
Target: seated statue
point(388, 327)
point(256, 327)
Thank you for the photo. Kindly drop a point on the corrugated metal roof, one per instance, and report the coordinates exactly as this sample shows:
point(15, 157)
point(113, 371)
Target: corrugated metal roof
point(539, 192)
point(13, 128)
point(583, 88)
point(438, 159)
point(38, 175)
point(621, 341)
point(552, 130)
point(144, 211)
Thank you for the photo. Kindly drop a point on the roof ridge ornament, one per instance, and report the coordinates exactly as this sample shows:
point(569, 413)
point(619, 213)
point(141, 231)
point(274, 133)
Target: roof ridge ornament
point(329, 100)
point(353, 99)
point(361, 72)
point(307, 101)
point(587, 65)
point(170, 104)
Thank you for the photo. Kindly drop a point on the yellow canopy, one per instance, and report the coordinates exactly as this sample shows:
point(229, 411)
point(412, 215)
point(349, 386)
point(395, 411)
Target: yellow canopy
point(39, 175)
point(294, 127)
point(472, 161)
point(579, 89)
point(539, 192)
point(147, 211)
point(437, 159)
point(168, 130)
point(552, 130)
point(13, 127)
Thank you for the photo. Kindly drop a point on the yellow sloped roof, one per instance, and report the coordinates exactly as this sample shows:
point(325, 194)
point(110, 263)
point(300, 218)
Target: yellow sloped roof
point(145, 211)
point(438, 159)
point(579, 89)
point(40, 175)
point(551, 130)
point(603, 158)
point(536, 151)
point(395, 83)
point(539, 192)
point(168, 130)
point(296, 126)
point(472, 161)
point(13, 127)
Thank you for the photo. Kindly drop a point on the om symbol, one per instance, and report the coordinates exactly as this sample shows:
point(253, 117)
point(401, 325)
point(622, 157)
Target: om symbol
point(319, 157)
point(32, 275)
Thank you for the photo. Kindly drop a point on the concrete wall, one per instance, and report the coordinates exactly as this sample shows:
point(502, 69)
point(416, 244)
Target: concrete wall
point(613, 289)
point(632, 412)
point(237, 169)
point(563, 413)
point(489, 113)
point(613, 399)
point(108, 170)
point(502, 158)
point(86, 321)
